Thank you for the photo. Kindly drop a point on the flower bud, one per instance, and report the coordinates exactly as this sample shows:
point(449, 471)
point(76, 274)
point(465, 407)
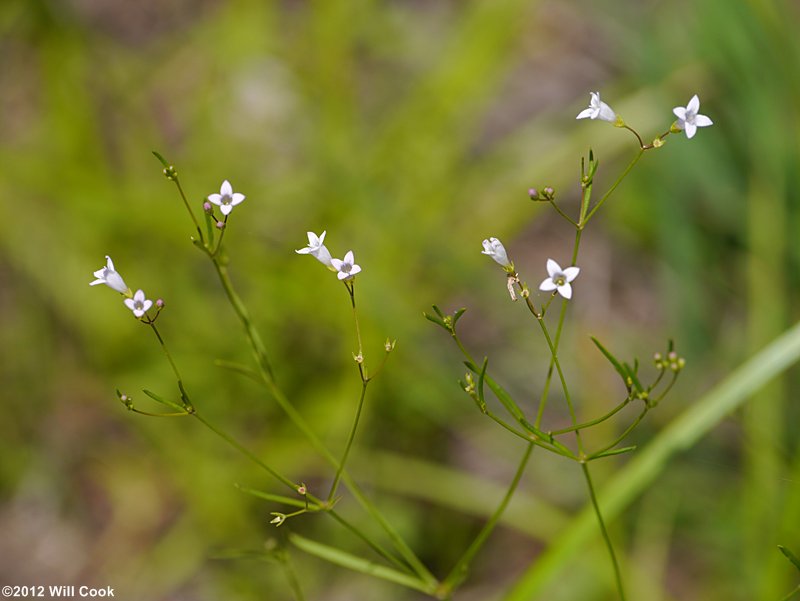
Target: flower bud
point(220, 225)
point(160, 303)
point(533, 193)
point(207, 207)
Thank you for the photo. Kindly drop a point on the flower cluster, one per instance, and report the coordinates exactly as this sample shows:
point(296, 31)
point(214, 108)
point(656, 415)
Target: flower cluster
point(137, 302)
point(345, 268)
point(689, 118)
point(557, 279)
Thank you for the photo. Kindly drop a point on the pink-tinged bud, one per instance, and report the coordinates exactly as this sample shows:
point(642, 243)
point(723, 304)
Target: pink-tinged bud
point(220, 225)
point(160, 303)
point(207, 207)
point(533, 193)
point(549, 191)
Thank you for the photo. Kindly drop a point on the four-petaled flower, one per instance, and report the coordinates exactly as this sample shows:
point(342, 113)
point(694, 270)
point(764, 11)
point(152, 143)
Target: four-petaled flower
point(109, 276)
point(227, 198)
point(493, 248)
point(316, 249)
point(598, 110)
point(138, 304)
point(347, 267)
point(559, 279)
point(689, 119)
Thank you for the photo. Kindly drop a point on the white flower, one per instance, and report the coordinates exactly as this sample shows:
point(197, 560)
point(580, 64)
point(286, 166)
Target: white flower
point(316, 249)
point(347, 267)
point(227, 198)
point(598, 110)
point(108, 276)
point(559, 279)
point(495, 249)
point(689, 119)
point(138, 304)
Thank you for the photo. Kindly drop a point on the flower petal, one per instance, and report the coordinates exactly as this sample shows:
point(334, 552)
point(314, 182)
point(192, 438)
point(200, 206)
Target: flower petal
point(702, 121)
point(215, 198)
point(552, 268)
point(237, 198)
point(694, 105)
point(349, 258)
point(304, 251)
point(129, 303)
point(691, 129)
point(680, 112)
point(226, 189)
point(225, 209)
point(355, 269)
point(147, 305)
point(570, 273)
point(336, 264)
point(565, 290)
point(342, 275)
point(547, 285)
point(585, 114)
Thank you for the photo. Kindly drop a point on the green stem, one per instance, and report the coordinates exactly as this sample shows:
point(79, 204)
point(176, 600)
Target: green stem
point(459, 571)
point(241, 311)
point(562, 213)
point(221, 236)
point(792, 593)
point(350, 438)
point(562, 378)
point(606, 538)
point(188, 208)
point(249, 454)
point(622, 436)
point(594, 422)
point(613, 187)
point(400, 545)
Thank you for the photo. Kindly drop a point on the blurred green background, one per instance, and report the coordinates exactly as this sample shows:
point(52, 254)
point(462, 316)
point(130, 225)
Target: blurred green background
point(410, 131)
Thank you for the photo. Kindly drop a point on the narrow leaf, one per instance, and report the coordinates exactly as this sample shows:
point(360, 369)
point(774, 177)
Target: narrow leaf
point(634, 378)
point(613, 360)
point(611, 452)
point(457, 315)
point(274, 498)
point(161, 158)
point(436, 320)
point(162, 400)
point(358, 564)
point(790, 556)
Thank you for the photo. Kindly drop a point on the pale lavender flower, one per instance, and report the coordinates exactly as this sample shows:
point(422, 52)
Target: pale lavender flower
point(227, 198)
point(317, 249)
point(559, 279)
point(347, 267)
point(493, 248)
point(597, 110)
point(689, 119)
point(138, 304)
point(109, 276)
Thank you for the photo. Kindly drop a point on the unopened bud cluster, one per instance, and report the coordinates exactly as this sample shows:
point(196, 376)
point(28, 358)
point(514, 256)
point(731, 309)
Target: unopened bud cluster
point(672, 361)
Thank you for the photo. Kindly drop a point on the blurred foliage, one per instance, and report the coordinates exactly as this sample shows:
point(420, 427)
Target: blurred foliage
point(410, 131)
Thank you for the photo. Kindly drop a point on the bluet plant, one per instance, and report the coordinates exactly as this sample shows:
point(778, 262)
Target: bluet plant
point(392, 558)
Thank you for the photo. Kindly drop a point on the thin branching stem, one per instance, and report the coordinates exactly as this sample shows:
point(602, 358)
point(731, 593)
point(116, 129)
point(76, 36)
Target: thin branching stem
point(459, 571)
point(594, 422)
point(349, 444)
point(604, 531)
